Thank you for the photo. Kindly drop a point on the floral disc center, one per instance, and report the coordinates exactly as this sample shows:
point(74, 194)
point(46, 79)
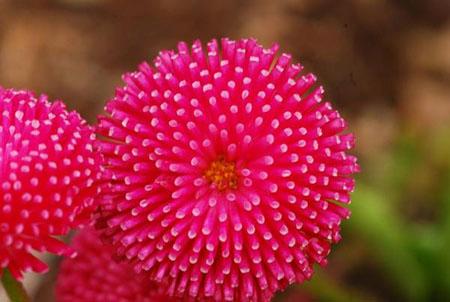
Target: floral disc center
point(222, 174)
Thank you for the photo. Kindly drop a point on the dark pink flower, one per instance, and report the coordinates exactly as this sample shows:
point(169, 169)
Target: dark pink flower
point(48, 171)
point(95, 277)
point(227, 172)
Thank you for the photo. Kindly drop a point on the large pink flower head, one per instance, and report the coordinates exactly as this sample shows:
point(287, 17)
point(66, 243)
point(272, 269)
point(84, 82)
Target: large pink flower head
point(48, 171)
point(93, 276)
point(227, 171)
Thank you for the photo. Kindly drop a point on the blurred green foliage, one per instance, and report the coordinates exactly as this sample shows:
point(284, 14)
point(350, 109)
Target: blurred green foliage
point(399, 232)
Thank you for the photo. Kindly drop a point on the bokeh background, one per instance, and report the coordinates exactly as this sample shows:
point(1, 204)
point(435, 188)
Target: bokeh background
point(385, 65)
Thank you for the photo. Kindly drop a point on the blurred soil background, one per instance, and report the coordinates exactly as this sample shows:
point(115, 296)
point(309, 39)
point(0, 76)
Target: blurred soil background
point(384, 64)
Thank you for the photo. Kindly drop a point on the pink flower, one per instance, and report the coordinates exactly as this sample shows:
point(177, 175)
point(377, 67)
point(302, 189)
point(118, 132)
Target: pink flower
point(227, 172)
point(95, 277)
point(48, 171)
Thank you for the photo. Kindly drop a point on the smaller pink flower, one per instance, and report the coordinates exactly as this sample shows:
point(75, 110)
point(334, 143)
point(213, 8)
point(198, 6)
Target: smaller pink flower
point(48, 175)
point(95, 277)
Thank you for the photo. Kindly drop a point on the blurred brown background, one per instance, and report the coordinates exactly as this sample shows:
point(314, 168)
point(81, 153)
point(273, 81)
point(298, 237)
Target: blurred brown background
point(385, 64)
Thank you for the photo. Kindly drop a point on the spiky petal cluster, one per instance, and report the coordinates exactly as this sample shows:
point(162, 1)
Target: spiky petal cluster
point(227, 171)
point(94, 276)
point(48, 172)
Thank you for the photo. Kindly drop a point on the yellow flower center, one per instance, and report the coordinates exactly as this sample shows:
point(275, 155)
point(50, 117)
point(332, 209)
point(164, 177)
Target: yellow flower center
point(222, 174)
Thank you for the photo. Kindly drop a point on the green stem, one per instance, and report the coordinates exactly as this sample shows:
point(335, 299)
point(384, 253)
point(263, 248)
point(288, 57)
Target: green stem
point(14, 289)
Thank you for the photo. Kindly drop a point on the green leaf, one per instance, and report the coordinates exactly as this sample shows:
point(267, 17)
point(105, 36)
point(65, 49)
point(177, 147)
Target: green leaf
point(374, 221)
point(14, 289)
point(324, 288)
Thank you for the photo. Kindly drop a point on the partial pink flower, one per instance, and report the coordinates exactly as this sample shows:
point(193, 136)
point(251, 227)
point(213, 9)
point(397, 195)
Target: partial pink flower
point(95, 277)
point(227, 172)
point(48, 172)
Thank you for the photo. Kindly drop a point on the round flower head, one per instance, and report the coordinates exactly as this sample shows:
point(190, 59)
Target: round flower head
point(227, 172)
point(48, 169)
point(95, 277)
